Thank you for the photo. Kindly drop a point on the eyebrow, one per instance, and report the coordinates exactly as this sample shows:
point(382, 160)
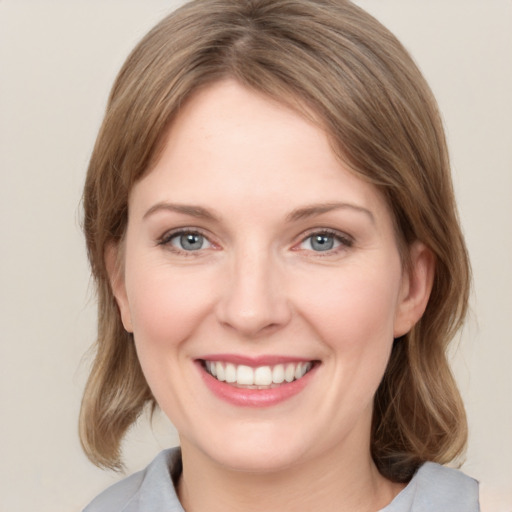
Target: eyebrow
point(318, 209)
point(194, 211)
point(298, 214)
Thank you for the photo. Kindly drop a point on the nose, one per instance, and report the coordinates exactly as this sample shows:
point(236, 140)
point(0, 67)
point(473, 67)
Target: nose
point(254, 301)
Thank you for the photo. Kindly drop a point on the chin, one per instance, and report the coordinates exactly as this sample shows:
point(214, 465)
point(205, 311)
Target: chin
point(257, 459)
point(255, 450)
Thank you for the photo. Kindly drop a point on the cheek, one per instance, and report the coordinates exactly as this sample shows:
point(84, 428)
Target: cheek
point(355, 308)
point(166, 304)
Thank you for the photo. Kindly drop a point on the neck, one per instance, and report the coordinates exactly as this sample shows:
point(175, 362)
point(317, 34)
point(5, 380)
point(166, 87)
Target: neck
point(331, 482)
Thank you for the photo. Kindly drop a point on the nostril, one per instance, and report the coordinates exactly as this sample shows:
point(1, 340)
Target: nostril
point(252, 301)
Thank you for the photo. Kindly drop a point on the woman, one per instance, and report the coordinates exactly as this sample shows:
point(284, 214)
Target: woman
point(271, 225)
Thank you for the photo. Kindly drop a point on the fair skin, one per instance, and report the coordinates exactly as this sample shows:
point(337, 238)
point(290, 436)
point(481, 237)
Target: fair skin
point(250, 244)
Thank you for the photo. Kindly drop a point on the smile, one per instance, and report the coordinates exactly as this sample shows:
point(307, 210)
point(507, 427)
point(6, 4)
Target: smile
point(260, 377)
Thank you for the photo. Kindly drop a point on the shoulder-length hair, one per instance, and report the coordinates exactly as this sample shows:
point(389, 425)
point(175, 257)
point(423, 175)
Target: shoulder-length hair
point(333, 59)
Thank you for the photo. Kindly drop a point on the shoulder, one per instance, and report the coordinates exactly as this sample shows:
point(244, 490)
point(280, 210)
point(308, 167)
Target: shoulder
point(445, 480)
point(149, 489)
point(435, 488)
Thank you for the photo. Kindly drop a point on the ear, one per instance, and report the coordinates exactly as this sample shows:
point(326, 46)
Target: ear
point(415, 289)
point(114, 265)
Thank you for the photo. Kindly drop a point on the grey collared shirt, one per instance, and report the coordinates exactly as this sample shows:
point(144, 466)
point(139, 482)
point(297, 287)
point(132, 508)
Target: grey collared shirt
point(433, 488)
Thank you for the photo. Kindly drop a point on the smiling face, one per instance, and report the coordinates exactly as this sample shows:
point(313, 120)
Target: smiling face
point(263, 285)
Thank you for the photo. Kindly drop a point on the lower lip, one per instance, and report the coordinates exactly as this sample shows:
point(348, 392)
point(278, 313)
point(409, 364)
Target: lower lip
point(243, 397)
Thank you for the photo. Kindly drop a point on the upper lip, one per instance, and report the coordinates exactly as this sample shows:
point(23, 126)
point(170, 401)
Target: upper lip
point(254, 361)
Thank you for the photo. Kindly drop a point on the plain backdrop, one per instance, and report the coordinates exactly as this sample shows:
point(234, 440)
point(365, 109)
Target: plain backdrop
point(57, 62)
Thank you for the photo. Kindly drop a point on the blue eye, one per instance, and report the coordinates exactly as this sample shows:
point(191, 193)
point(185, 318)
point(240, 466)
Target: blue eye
point(324, 241)
point(189, 241)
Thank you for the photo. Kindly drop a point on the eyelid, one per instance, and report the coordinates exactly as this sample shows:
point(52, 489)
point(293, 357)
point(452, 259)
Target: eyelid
point(168, 236)
point(346, 240)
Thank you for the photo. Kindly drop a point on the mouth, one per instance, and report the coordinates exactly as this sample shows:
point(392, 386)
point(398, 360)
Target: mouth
point(258, 377)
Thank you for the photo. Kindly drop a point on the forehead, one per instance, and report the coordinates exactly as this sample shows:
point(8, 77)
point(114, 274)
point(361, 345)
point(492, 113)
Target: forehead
point(231, 142)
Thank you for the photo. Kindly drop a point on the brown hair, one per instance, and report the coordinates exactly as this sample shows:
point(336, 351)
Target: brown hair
point(383, 122)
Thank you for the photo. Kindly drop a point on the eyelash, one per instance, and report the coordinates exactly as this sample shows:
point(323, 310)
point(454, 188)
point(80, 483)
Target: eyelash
point(345, 241)
point(166, 239)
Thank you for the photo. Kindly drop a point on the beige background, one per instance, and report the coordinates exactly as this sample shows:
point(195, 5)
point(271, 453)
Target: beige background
point(57, 62)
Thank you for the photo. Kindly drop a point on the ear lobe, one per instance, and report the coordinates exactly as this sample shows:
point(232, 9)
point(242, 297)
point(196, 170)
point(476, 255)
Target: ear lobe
point(416, 287)
point(113, 263)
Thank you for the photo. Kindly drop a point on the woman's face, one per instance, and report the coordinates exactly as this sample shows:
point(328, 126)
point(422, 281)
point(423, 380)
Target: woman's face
point(252, 254)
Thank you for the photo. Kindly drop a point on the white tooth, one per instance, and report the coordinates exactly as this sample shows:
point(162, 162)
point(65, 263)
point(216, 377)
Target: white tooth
point(303, 369)
point(212, 368)
point(289, 373)
point(307, 367)
point(220, 372)
point(245, 375)
point(298, 371)
point(230, 372)
point(278, 374)
point(263, 376)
